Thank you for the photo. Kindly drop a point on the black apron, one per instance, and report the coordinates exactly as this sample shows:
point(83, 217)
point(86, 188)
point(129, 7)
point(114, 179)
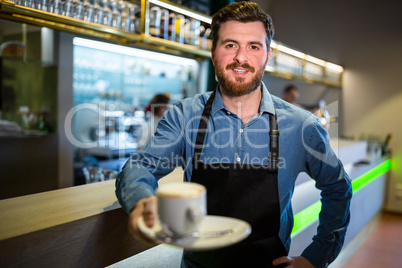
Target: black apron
point(245, 192)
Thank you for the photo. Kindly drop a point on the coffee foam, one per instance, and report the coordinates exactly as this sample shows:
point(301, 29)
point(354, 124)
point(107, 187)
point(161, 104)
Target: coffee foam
point(180, 190)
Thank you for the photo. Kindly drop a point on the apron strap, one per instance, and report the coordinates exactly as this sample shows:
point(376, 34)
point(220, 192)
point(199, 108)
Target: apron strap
point(273, 159)
point(202, 128)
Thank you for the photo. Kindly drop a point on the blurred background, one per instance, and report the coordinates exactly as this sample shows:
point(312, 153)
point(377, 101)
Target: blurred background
point(79, 77)
point(72, 98)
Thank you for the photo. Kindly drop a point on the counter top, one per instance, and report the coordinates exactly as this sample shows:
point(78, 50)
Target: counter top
point(25, 214)
point(349, 151)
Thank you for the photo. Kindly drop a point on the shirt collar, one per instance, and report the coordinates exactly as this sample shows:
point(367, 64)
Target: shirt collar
point(266, 105)
point(218, 103)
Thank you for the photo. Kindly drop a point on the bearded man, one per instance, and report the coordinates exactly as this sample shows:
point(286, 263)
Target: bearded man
point(247, 148)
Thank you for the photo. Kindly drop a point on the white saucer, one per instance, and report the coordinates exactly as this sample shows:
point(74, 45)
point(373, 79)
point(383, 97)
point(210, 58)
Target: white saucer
point(233, 231)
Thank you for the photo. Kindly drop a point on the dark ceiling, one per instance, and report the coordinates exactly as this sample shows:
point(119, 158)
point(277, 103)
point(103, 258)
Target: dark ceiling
point(337, 30)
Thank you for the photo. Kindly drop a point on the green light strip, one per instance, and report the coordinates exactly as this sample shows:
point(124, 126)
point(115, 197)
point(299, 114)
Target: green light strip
point(309, 215)
point(370, 175)
point(306, 217)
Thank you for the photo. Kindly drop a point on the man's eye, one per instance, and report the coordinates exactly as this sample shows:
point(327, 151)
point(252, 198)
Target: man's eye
point(230, 45)
point(254, 47)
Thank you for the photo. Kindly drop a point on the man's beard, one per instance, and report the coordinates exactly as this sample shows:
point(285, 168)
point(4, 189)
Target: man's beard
point(238, 88)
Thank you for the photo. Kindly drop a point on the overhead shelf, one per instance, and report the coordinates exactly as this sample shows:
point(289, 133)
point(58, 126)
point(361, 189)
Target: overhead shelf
point(10, 11)
point(285, 62)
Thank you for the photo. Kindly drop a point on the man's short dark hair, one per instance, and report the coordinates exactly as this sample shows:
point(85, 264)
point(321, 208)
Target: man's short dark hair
point(241, 12)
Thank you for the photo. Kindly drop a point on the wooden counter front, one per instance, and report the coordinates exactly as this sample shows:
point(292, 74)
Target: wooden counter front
point(81, 226)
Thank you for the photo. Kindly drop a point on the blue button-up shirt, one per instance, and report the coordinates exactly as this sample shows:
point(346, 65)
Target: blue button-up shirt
point(303, 147)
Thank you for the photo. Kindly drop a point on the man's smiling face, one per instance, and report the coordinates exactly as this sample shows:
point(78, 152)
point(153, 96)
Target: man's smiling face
point(240, 57)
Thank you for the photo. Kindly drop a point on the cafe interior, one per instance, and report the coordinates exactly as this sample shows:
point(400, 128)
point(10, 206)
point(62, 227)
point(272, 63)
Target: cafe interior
point(77, 77)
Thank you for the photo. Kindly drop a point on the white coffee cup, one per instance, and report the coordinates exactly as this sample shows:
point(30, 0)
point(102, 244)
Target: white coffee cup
point(181, 207)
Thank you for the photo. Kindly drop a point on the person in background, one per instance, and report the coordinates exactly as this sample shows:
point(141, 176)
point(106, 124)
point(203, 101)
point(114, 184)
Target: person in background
point(154, 111)
point(247, 147)
point(291, 94)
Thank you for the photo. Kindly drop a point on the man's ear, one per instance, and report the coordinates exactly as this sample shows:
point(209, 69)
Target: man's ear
point(269, 56)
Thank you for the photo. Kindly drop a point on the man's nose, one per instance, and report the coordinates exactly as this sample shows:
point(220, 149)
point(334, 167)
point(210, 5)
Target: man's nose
point(241, 55)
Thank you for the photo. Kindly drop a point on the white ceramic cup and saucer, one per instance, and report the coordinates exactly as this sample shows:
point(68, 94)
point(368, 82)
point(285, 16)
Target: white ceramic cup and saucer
point(181, 207)
point(183, 221)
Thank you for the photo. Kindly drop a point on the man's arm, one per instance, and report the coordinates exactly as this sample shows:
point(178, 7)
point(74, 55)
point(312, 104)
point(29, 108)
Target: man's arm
point(336, 192)
point(139, 176)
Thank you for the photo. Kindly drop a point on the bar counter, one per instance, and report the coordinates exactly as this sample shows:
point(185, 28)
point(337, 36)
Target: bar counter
point(84, 226)
point(81, 226)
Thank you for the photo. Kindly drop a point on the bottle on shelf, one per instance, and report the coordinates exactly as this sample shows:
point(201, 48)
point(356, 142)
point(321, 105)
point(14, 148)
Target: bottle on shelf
point(155, 21)
point(172, 26)
point(86, 11)
point(97, 12)
point(180, 20)
point(164, 24)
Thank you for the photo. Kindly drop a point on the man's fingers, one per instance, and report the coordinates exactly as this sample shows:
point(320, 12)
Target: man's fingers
point(149, 220)
point(283, 259)
point(133, 223)
point(295, 261)
point(146, 208)
point(150, 211)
